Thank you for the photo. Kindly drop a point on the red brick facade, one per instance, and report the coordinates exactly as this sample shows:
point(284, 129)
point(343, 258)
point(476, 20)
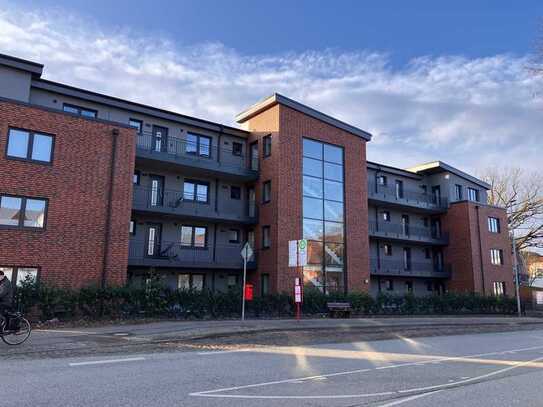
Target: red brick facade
point(284, 213)
point(469, 247)
point(69, 251)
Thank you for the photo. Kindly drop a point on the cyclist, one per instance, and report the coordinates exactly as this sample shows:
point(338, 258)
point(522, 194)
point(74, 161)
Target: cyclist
point(6, 295)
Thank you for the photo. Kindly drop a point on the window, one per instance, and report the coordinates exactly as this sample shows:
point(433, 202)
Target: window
point(264, 284)
point(266, 239)
point(496, 257)
point(237, 148)
point(267, 145)
point(425, 222)
point(473, 194)
point(405, 224)
point(136, 178)
point(399, 189)
point(81, 111)
point(407, 258)
point(458, 192)
point(198, 145)
point(233, 236)
point(190, 282)
point(193, 236)
point(22, 212)
point(493, 225)
point(19, 275)
point(132, 227)
point(235, 192)
point(30, 146)
point(499, 288)
point(382, 180)
point(387, 248)
point(232, 281)
point(427, 253)
point(389, 285)
point(137, 124)
point(409, 287)
point(266, 192)
point(253, 156)
point(386, 216)
point(195, 191)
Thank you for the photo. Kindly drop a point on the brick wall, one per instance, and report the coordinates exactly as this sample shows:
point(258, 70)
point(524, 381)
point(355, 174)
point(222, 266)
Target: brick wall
point(469, 248)
point(284, 212)
point(70, 250)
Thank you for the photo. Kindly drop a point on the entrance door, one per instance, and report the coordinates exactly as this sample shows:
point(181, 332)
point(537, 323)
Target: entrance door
point(160, 138)
point(152, 246)
point(156, 197)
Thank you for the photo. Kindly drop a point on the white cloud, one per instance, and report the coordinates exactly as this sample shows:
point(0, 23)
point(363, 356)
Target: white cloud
point(472, 113)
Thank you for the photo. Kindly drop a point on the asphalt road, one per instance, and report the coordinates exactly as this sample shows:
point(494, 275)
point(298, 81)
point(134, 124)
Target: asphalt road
point(490, 369)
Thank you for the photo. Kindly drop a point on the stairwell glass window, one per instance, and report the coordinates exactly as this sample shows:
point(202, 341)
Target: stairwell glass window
point(195, 191)
point(496, 257)
point(79, 110)
point(29, 146)
point(323, 214)
point(193, 236)
point(473, 194)
point(22, 212)
point(198, 145)
point(493, 225)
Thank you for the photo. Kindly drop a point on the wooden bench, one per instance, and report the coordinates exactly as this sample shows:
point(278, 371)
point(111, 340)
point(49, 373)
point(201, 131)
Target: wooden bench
point(339, 309)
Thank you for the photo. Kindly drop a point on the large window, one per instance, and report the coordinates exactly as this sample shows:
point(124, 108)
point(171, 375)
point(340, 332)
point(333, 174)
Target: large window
point(19, 275)
point(496, 256)
point(22, 212)
point(323, 215)
point(193, 236)
point(198, 145)
point(81, 111)
point(30, 146)
point(195, 191)
point(493, 225)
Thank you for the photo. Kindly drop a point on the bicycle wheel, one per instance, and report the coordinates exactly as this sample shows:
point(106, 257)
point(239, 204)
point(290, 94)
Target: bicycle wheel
point(22, 334)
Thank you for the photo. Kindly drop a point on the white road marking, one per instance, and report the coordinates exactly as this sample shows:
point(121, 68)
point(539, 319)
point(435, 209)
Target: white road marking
point(418, 396)
point(62, 331)
point(120, 334)
point(213, 393)
point(103, 362)
point(221, 352)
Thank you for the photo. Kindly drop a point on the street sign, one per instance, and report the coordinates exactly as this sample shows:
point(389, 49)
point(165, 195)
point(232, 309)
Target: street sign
point(247, 252)
point(297, 253)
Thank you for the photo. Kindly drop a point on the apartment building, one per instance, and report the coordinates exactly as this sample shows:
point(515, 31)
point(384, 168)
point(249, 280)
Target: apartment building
point(100, 190)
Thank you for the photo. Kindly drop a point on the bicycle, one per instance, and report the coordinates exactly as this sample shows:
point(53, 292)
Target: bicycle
point(17, 331)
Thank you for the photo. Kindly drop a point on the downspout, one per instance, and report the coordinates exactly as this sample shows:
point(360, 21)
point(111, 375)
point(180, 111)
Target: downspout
point(107, 226)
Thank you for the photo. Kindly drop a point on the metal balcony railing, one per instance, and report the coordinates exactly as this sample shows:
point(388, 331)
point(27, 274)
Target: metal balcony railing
point(203, 153)
point(188, 204)
point(385, 266)
point(406, 197)
point(167, 253)
point(407, 232)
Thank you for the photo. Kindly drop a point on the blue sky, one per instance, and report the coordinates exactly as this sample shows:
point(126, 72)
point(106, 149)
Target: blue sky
point(430, 79)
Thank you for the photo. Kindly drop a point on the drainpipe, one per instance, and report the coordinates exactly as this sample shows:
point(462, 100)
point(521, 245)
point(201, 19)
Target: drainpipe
point(107, 226)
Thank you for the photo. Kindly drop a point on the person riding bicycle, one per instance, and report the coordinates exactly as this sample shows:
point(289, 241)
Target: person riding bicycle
point(6, 295)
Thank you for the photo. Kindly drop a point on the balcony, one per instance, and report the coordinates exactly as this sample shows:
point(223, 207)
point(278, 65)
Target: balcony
point(417, 200)
point(172, 254)
point(407, 233)
point(163, 152)
point(396, 268)
point(173, 203)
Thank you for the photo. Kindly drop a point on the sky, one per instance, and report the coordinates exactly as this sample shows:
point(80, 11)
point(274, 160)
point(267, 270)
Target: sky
point(430, 80)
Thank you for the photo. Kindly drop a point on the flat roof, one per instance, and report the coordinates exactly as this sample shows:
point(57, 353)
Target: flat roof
point(34, 68)
point(393, 170)
point(435, 167)
point(277, 98)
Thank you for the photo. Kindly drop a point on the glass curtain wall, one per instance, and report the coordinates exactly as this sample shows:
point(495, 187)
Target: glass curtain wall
point(323, 215)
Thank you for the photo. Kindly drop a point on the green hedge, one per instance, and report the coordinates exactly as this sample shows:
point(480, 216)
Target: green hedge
point(155, 301)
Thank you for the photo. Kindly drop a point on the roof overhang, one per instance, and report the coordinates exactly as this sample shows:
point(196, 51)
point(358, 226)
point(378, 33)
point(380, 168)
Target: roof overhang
point(277, 98)
point(22, 64)
point(436, 167)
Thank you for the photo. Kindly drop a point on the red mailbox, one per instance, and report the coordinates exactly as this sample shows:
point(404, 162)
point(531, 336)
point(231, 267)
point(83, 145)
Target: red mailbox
point(248, 292)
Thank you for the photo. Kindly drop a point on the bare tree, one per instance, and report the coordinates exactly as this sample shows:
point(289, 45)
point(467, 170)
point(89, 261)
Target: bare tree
point(522, 196)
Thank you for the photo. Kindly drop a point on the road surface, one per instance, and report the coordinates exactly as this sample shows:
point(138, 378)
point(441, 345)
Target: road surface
point(489, 369)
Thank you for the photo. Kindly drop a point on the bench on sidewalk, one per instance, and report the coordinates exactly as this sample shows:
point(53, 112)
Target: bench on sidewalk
point(339, 309)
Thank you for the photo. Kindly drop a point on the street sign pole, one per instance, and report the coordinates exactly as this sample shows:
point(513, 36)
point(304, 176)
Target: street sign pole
point(246, 252)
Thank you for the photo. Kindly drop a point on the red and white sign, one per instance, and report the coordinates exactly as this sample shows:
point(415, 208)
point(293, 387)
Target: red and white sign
point(248, 292)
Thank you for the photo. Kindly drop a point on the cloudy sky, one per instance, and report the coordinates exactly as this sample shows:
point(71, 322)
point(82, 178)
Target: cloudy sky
point(465, 99)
